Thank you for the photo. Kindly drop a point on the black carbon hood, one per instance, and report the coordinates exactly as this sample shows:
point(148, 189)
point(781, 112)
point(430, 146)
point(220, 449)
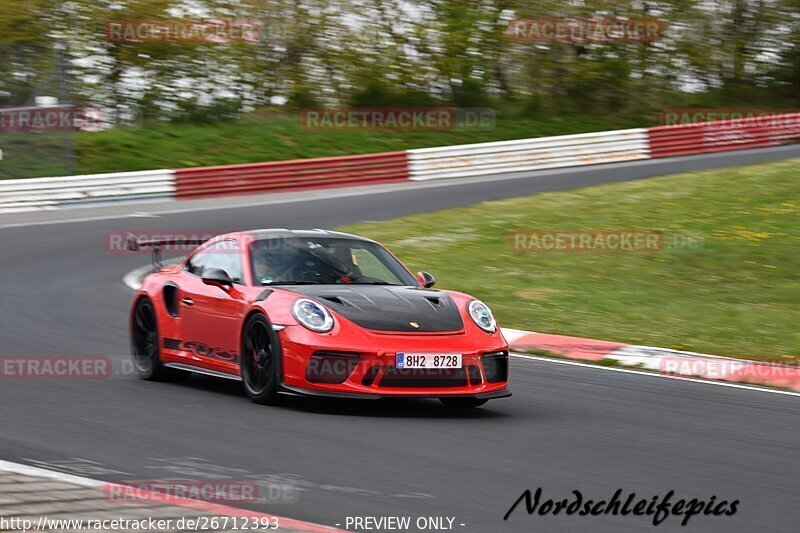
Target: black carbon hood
point(388, 308)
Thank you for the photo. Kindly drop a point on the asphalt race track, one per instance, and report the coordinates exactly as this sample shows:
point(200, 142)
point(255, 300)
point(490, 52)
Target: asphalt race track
point(566, 427)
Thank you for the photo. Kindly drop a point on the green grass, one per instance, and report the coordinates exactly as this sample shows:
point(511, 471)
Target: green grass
point(738, 295)
point(264, 136)
point(276, 137)
point(273, 134)
point(27, 155)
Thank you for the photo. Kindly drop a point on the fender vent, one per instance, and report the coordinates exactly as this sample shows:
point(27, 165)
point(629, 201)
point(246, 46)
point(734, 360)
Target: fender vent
point(171, 299)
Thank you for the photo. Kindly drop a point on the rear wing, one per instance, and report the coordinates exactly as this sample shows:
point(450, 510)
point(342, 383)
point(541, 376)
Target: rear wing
point(134, 244)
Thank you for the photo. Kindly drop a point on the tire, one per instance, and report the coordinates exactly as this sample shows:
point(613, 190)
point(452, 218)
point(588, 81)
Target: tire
point(462, 403)
point(259, 364)
point(145, 343)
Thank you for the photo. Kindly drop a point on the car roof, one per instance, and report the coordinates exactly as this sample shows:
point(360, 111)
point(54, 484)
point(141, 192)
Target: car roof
point(259, 234)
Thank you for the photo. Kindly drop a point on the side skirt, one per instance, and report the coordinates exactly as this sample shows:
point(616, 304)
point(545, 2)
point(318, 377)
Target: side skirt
point(204, 371)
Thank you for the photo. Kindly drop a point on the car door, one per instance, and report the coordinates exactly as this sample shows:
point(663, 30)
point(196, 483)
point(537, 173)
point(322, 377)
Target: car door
point(211, 315)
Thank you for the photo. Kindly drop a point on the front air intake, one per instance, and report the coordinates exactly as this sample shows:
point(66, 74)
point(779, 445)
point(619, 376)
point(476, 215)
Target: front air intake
point(370, 375)
point(495, 366)
point(330, 367)
point(421, 378)
point(474, 374)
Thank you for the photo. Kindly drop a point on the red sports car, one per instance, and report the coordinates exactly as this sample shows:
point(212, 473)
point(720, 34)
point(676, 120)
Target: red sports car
point(316, 313)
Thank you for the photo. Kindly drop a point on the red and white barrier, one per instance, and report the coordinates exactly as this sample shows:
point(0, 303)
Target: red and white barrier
point(53, 193)
point(707, 137)
point(484, 159)
point(254, 178)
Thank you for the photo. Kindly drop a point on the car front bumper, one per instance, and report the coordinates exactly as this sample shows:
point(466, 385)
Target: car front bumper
point(363, 365)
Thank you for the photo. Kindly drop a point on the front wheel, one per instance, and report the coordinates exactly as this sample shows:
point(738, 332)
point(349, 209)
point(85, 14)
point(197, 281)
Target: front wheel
point(462, 403)
point(259, 361)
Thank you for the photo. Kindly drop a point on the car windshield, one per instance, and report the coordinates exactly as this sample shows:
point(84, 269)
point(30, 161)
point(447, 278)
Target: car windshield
point(324, 260)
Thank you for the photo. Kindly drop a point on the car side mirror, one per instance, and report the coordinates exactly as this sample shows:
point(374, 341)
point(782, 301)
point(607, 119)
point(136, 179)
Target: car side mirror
point(218, 278)
point(426, 279)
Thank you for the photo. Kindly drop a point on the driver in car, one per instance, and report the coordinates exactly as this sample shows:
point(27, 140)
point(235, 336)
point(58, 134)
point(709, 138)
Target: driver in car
point(341, 259)
point(272, 267)
point(325, 265)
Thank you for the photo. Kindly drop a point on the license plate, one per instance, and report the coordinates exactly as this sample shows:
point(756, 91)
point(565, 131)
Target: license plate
point(428, 360)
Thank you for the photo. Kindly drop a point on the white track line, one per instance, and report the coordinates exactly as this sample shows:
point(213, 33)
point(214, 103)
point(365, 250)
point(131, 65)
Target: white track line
point(133, 279)
point(324, 195)
point(27, 470)
point(654, 375)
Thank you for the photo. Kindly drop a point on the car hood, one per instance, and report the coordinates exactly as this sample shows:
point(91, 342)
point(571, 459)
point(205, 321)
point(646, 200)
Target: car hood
point(388, 308)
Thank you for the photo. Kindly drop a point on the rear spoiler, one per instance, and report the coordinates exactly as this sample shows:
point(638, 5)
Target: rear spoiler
point(134, 244)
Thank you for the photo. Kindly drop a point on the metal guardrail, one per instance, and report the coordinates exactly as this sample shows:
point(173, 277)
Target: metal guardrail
point(291, 175)
point(484, 159)
point(528, 154)
point(51, 193)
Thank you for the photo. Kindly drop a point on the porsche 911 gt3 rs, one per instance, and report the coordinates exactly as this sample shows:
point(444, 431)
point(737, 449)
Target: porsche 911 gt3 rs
point(314, 312)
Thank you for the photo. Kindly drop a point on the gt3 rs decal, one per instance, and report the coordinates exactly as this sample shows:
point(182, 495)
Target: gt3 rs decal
point(201, 349)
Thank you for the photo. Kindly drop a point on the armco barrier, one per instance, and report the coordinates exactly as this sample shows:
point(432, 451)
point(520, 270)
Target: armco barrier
point(528, 154)
point(485, 159)
point(707, 137)
point(50, 193)
point(291, 175)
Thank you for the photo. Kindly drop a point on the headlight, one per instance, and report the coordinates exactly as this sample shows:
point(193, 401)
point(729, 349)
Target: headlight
point(312, 315)
point(482, 316)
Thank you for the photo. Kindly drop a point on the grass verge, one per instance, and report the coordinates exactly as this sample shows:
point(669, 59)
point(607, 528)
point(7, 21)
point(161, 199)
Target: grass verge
point(274, 137)
point(261, 136)
point(735, 295)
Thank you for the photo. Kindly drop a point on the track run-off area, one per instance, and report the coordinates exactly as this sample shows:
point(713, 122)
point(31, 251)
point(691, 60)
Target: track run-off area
point(567, 427)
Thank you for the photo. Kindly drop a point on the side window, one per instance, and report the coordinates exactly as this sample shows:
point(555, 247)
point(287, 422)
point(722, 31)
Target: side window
point(196, 262)
point(222, 254)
